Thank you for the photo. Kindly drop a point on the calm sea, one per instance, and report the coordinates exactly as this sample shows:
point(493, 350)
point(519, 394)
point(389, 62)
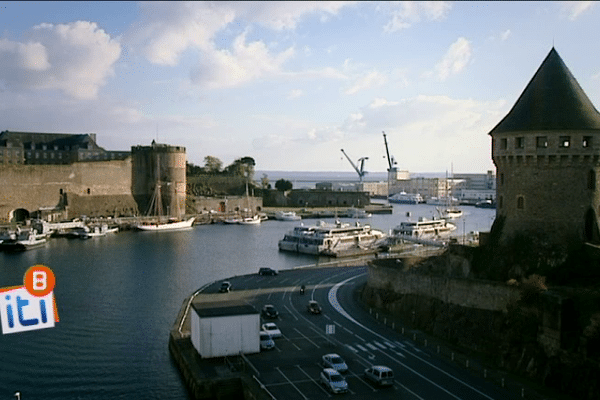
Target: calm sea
point(118, 296)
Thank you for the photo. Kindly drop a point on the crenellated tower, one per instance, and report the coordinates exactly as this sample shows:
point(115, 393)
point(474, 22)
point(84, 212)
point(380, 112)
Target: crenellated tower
point(159, 168)
point(547, 154)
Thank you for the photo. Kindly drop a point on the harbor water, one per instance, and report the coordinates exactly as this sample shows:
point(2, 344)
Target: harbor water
point(117, 297)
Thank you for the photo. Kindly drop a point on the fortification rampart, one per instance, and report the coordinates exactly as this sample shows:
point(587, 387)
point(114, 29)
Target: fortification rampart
point(32, 187)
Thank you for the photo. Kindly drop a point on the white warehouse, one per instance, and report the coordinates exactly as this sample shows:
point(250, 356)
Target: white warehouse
point(225, 329)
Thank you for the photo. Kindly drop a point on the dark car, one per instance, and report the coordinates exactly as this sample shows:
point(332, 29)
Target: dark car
point(313, 307)
point(269, 311)
point(225, 287)
point(267, 271)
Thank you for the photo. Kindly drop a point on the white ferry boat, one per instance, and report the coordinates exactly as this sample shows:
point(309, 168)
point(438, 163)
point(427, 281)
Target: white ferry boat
point(424, 229)
point(331, 239)
point(406, 198)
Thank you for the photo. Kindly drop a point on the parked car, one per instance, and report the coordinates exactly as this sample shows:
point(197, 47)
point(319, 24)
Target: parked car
point(333, 381)
point(267, 271)
point(225, 287)
point(313, 307)
point(380, 375)
point(269, 311)
point(266, 341)
point(271, 329)
point(335, 362)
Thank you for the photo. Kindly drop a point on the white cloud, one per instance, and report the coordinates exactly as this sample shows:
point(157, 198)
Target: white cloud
point(75, 58)
point(371, 79)
point(295, 93)
point(245, 62)
point(574, 9)
point(455, 60)
point(406, 13)
point(505, 35)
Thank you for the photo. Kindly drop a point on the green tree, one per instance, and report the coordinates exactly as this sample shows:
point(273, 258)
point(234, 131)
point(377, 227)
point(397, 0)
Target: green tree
point(212, 165)
point(242, 167)
point(283, 185)
point(192, 170)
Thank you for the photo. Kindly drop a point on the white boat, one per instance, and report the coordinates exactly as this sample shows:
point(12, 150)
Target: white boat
point(287, 216)
point(255, 220)
point(24, 240)
point(406, 198)
point(358, 213)
point(452, 213)
point(424, 229)
point(331, 239)
point(171, 225)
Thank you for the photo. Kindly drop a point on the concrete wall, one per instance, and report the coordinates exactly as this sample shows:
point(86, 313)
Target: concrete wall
point(484, 295)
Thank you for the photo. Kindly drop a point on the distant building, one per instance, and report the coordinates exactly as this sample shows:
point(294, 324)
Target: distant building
point(31, 148)
point(547, 154)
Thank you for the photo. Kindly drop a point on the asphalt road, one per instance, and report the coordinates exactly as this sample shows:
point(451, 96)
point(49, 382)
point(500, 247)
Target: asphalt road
point(291, 371)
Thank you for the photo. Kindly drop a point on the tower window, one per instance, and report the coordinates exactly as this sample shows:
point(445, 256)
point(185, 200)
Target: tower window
point(519, 142)
point(502, 179)
point(500, 202)
point(586, 142)
point(503, 143)
point(541, 142)
point(565, 141)
point(520, 202)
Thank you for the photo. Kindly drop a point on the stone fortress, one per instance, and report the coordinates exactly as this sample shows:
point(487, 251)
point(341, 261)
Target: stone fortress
point(58, 176)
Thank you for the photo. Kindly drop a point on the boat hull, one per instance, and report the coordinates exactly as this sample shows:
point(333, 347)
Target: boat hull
point(170, 226)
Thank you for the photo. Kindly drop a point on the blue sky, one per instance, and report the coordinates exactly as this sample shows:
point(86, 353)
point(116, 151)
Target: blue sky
point(288, 83)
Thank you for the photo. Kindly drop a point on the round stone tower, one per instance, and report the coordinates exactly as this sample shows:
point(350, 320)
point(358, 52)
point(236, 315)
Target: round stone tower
point(158, 179)
point(547, 154)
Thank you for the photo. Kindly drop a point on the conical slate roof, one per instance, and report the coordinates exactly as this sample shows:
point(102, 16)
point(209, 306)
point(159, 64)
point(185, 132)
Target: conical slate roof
point(553, 100)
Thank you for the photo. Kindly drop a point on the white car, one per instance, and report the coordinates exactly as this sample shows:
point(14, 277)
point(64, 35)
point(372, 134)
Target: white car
point(380, 375)
point(333, 381)
point(335, 362)
point(266, 342)
point(271, 329)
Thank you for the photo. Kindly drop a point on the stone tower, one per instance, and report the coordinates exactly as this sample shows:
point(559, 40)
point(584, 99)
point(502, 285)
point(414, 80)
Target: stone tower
point(547, 154)
point(159, 168)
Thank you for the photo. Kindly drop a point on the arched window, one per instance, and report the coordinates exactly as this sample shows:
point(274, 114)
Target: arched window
point(520, 202)
point(591, 182)
point(88, 191)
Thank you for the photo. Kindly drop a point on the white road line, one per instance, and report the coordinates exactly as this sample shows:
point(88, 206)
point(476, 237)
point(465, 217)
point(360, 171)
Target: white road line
point(291, 313)
point(332, 296)
point(352, 348)
point(316, 383)
point(388, 344)
point(306, 337)
point(361, 347)
point(401, 344)
point(372, 347)
point(400, 354)
point(379, 345)
point(291, 383)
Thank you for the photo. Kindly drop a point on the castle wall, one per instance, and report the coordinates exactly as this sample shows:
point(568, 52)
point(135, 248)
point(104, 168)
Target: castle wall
point(42, 186)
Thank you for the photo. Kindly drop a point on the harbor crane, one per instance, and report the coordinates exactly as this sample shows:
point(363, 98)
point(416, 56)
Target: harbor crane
point(390, 160)
point(361, 161)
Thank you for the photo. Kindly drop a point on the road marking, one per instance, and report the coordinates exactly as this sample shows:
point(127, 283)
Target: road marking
point(352, 348)
point(332, 297)
point(388, 344)
point(408, 390)
point(401, 344)
point(372, 347)
point(291, 313)
point(316, 383)
point(361, 347)
point(359, 338)
point(306, 337)
point(379, 345)
point(291, 383)
point(400, 354)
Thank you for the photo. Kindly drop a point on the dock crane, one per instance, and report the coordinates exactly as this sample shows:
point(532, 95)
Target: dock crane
point(361, 161)
point(391, 161)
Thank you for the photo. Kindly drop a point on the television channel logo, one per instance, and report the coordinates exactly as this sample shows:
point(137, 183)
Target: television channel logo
point(31, 306)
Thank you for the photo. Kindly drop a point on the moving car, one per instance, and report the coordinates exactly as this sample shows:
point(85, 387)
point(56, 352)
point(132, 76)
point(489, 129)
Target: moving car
point(225, 287)
point(271, 329)
point(335, 362)
point(267, 271)
point(333, 381)
point(313, 307)
point(266, 341)
point(269, 311)
point(380, 375)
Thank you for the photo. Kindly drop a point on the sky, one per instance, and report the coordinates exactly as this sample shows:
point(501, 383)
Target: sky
point(289, 84)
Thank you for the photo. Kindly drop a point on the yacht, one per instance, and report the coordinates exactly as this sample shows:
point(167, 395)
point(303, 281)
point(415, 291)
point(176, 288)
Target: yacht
point(331, 239)
point(425, 229)
point(24, 240)
point(171, 225)
point(287, 216)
